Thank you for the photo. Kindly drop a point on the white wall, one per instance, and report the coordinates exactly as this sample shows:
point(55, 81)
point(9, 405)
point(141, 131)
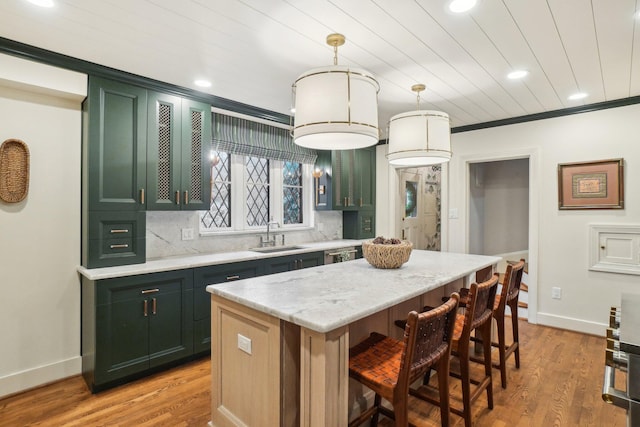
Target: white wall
point(558, 240)
point(499, 200)
point(40, 236)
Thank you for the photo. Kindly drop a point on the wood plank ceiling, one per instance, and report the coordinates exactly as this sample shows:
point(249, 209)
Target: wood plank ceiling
point(253, 50)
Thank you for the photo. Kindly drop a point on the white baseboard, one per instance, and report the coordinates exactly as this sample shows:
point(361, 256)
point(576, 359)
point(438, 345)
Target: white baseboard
point(578, 325)
point(30, 378)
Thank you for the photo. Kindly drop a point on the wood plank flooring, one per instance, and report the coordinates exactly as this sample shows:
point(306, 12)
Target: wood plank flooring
point(559, 384)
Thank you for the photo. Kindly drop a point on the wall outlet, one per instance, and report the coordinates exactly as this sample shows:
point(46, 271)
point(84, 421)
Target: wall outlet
point(244, 344)
point(453, 213)
point(187, 234)
point(556, 293)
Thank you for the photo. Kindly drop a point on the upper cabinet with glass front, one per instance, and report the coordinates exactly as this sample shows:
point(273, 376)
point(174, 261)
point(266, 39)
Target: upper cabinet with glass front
point(179, 134)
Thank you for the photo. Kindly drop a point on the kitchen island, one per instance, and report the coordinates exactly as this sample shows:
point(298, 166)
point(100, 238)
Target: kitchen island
point(280, 342)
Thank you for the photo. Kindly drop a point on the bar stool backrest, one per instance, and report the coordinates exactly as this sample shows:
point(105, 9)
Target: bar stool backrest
point(427, 338)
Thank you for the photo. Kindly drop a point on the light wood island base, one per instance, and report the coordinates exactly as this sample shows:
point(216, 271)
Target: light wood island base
point(312, 388)
point(280, 343)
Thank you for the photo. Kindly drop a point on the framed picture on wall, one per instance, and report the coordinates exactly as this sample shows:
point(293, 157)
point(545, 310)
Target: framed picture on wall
point(591, 185)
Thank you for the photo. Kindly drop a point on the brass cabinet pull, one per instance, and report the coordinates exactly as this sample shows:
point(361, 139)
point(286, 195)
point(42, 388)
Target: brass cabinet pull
point(154, 306)
point(142, 196)
point(122, 246)
point(233, 277)
point(119, 230)
point(177, 197)
point(145, 308)
point(344, 202)
point(150, 291)
point(360, 201)
point(186, 197)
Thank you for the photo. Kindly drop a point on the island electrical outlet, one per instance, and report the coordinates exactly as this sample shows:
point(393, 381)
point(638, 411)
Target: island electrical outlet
point(244, 344)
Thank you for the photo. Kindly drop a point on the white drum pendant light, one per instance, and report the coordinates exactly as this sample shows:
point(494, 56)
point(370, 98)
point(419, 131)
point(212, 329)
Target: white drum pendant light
point(419, 138)
point(336, 107)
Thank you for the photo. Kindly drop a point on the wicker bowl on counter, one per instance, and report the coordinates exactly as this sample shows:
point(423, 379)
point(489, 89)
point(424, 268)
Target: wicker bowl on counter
point(381, 255)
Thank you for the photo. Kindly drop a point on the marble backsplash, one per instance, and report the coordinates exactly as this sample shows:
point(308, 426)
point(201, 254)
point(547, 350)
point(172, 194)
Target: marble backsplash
point(164, 234)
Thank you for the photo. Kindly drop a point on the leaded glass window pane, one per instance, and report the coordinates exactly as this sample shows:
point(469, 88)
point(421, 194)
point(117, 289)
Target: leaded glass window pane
point(219, 215)
point(257, 169)
point(292, 193)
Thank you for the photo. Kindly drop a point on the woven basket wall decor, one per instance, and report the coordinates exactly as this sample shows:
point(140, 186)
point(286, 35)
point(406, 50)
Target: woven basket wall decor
point(14, 171)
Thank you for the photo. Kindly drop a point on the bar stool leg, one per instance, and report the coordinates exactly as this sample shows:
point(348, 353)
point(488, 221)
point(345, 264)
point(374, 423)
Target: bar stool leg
point(465, 379)
point(514, 324)
point(376, 402)
point(502, 347)
point(443, 387)
point(485, 330)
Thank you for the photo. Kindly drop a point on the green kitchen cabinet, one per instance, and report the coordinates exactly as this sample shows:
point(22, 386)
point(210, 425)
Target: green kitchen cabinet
point(179, 135)
point(353, 179)
point(113, 174)
point(142, 150)
point(133, 325)
point(358, 224)
point(293, 262)
point(114, 146)
point(204, 276)
point(115, 238)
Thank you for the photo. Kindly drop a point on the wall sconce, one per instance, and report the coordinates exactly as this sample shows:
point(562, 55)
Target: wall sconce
point(320, 189)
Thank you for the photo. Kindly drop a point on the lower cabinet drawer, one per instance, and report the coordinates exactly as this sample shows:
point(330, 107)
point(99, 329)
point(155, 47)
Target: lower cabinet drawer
point(107, 253)
point(115, 238)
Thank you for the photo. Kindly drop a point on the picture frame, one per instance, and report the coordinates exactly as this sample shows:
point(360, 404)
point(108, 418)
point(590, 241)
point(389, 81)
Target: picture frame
point(591, 185)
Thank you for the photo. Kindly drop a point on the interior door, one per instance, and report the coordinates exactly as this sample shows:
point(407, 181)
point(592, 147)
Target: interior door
point(418, 193)
point(411, 207)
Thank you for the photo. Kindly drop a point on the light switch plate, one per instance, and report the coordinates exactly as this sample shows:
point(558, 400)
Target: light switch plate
point(453, 213)
point(244, 343)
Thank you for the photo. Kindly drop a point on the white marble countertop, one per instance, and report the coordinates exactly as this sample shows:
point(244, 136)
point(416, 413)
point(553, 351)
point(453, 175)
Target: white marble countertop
point(201, 260)
point(328, 297)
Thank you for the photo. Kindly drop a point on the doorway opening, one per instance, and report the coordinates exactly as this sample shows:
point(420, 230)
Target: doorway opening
point(499, 214)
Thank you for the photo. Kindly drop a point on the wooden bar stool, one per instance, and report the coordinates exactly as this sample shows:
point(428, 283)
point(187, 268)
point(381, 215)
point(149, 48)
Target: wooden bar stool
point(508, 297)
point(476, 317)
point(388, 366)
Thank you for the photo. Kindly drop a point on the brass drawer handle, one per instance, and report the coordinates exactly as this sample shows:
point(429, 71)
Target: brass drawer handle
point(145, 308)
point(150, 291)
point(154, 306)
point(186, 197)
point(122, 246)
point(142, 196)
point(119, 230)
point(233, 277)
point(177, 197)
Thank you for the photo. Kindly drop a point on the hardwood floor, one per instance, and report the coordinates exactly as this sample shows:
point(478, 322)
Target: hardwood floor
point(559, 384)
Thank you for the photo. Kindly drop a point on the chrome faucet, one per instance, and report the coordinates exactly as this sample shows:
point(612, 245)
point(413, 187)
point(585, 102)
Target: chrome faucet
point(269, 241)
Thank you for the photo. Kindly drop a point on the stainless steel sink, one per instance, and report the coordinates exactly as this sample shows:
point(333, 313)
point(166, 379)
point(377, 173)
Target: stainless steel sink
point(272, 249)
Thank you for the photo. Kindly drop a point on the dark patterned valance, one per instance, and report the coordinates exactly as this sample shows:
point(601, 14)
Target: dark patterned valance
point(241, 136)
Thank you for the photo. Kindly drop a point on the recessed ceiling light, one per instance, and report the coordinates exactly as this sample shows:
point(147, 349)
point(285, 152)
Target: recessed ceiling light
point(42, 3)
point(576, 96)
point(517, 74)
point(460, 6)
point(202, 83)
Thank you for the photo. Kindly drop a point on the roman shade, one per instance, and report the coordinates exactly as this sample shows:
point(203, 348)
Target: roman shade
point(241, 136)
